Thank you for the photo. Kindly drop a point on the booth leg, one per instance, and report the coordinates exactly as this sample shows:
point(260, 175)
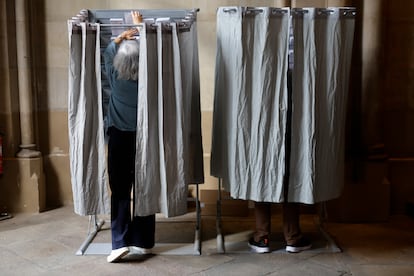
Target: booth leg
point(332, 246)
point(197, 236)
point(220, 237)
point(91, 235)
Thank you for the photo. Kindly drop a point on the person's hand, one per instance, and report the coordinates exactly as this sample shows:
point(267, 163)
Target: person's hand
point(136, 17)
point(128, 34)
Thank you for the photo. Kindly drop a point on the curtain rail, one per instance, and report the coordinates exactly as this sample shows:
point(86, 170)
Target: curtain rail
point(344, 11)
point(84, 14)
point(257, 10)
point(167, 25)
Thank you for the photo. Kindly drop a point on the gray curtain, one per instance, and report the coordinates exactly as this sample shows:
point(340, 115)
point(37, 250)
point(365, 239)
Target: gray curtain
point(169, 149)
point(250, 102)
point(169, 153)
point(250, 122)
point(323, 40)
point(85, 121)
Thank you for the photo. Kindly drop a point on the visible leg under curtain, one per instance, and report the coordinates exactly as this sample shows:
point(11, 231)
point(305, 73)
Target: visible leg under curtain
point(126, 230)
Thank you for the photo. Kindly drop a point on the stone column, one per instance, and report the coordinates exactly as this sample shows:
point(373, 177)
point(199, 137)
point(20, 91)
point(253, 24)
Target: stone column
point(28, 146)
point(339, 3)
point(282, 3)
point(371, 71)
point(307, 3)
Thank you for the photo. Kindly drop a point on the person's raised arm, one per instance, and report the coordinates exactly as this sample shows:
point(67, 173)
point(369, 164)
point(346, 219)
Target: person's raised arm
point(129, 34)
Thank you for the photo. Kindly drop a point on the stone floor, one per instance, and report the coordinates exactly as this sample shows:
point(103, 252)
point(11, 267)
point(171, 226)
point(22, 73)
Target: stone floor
point(46, 244)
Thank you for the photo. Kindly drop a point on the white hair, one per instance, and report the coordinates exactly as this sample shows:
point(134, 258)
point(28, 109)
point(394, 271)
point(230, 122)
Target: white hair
point(126, 60)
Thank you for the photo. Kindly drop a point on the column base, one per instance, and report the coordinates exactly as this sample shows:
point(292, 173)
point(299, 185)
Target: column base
point(23, 186)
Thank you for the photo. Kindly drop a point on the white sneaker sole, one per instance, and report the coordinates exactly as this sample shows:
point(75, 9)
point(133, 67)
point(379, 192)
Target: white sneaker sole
point(293, 249)
point(257, 249)
point(135, 250)
point(117, 254)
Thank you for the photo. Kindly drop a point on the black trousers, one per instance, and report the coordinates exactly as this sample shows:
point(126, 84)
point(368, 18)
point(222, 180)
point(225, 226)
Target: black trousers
point(126, 230)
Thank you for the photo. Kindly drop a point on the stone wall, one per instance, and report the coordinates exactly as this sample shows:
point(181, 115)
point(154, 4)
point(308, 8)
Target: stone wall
point(380, 103)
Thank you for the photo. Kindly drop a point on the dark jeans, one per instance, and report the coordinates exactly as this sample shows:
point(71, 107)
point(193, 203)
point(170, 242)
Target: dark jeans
point(125, 229)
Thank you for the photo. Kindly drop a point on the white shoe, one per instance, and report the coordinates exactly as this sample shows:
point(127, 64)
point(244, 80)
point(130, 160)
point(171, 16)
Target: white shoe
point(139, 250)
point(117, 254)
point(302, 245)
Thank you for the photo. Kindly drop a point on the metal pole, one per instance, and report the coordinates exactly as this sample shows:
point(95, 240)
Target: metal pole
point(197, 238)
point(220, 237)
point(90, 236)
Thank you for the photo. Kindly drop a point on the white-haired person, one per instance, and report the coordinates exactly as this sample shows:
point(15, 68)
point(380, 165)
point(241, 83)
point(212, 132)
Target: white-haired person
point(130, 234)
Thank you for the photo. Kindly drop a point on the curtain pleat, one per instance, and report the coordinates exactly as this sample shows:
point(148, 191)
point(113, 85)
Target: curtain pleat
point(165, 145)
point(250, 106)
point(323, 50)
point(191, 84)
point(146, 159)
point(303, 126)
point(85, 121)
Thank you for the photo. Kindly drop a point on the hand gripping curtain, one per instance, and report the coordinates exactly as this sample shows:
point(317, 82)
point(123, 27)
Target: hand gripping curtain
point(323, 41)
point(85, 121)
point(250, 102)
point(169, 150)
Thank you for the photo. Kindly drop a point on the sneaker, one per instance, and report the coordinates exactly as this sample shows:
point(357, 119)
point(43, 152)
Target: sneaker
point(302, 245)
point(135, 250)
point(261, 246)
point(117, 254)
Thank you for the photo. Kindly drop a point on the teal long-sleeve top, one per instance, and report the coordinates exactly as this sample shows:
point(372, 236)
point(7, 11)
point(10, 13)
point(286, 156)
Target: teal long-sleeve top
point(122, 108)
